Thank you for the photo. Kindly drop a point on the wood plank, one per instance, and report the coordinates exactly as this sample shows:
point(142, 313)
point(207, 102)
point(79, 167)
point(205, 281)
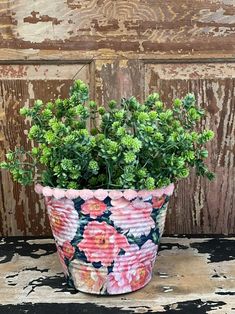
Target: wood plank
point(21, 211)
point(190, 276)
point(200, 206)
point(115, 79)
point(103, 26)
point(60, 56)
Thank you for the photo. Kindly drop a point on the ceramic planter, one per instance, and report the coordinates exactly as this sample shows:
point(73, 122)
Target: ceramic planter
point(107, 240)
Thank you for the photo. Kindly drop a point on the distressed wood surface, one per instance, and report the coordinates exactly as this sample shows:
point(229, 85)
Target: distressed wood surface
point(126, 78)
point(119, 26)
point(120, 44)
point(201, 206)
point(190, 276)
point(21, 212)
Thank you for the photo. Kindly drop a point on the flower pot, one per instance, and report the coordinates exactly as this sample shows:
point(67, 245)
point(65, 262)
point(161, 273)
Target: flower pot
point(107, 240)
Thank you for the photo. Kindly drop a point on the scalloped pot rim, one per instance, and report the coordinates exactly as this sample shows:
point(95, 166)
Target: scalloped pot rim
point(101, 194)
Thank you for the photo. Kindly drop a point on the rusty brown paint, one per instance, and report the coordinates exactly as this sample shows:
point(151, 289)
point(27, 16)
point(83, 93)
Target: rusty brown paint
point(137, 26)
point(118, 79)
point(35, 17)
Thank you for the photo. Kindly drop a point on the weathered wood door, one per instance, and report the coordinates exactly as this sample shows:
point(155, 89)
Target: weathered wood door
point(123, 48)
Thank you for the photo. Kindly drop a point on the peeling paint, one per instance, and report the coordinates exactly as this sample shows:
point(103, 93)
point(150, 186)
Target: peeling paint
point(136, 26)
point(219, 16)
point(202, 206)
point(31, 91)
point(194, 71)
point(45, 72)
point(21, 211)
point(41, 27)
point(184, 260)
point(117, 35)
point(35, 18)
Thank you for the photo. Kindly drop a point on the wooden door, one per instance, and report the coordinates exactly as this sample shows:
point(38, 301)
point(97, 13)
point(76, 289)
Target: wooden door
point(122, 48)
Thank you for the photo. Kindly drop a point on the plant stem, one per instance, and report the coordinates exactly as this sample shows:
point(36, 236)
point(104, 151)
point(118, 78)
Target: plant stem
point(109, 175)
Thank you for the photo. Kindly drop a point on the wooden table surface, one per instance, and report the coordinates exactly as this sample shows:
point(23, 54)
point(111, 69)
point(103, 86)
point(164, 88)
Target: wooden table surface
point(191, 275)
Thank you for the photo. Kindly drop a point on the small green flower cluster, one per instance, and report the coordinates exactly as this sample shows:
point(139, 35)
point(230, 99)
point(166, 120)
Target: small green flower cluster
point(134, 145)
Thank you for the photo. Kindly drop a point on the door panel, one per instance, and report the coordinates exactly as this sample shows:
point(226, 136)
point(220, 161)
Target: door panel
point(21, 211)
point(200, 205)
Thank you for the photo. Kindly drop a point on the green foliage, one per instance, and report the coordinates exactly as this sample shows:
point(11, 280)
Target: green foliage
point(140, 146)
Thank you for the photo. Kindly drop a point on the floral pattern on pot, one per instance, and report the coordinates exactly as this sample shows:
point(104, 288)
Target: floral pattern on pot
point(108, 245)
point(133, 270)
point(127, 215)
point(158, 201)
point(102, 243)
point(93, 207)
point(63, 219)
point(87, 278)
point(68, 250)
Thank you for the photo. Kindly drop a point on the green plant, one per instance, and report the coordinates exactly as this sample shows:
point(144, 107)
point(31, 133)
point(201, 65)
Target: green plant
point(139, 146)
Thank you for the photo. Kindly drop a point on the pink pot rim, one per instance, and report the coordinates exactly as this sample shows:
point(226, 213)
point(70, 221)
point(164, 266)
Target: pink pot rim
point(101, 194)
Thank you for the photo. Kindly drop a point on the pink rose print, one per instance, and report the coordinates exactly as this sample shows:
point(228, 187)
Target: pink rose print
point(63, 219)
point(102, 243)
point(68, 250)
point(133, 217)
point(133, 270)
point(61, 258)
point(121, 202)
point(93, 207)
point(87, 278)
point(148, 252)
point(158, 201)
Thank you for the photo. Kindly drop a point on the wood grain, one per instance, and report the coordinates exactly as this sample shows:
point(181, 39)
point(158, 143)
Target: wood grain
point(21, 211)
point(190, 276)
point(41, 44)
point(117, 79)
point(200, 206)
point(120, 26)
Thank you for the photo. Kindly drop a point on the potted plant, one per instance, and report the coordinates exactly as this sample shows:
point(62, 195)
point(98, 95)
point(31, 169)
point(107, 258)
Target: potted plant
point(107, 186)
